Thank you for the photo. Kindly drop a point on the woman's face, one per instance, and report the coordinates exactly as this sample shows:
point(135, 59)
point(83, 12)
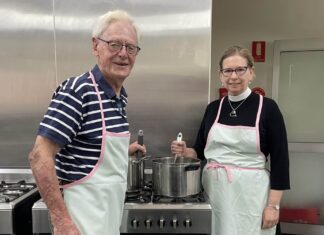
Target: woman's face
point(236, 74)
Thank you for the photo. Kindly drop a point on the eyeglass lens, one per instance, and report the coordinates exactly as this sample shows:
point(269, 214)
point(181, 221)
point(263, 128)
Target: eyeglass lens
point(115, 46)
point(239, 71)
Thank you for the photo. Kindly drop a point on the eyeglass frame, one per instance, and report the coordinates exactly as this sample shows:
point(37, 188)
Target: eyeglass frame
point(126, 45)
point(235, 70)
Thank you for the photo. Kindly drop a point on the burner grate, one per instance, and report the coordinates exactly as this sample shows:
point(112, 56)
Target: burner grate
point(10, 191)
point(188, 199)
point(141, 196)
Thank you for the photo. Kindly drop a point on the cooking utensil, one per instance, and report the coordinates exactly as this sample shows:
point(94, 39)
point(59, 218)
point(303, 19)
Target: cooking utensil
point(179, 138)
point(140, 141)
point(180, 179)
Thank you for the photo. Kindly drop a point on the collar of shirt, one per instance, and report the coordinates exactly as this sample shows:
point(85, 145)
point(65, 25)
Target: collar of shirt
point(109, 92)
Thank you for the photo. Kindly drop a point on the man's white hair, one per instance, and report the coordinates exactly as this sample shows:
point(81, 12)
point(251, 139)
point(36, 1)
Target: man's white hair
point(110, 17)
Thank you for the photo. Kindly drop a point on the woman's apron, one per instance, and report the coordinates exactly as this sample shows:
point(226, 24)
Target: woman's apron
point(235, 178)
point(96, 201)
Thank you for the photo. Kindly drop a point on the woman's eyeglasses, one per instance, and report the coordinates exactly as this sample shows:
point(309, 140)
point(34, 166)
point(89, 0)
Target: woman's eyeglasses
point(240, 71)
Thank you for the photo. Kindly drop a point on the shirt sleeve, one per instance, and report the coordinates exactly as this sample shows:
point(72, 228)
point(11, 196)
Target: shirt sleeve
point(62, 120)
point(206, 124)
point(278, 148)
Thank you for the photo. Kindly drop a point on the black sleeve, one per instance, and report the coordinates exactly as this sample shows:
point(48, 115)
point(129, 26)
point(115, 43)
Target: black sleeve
point(278, 148)
point(206, 123)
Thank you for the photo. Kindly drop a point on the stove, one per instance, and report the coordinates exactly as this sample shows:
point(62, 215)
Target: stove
point(145, 213)
point(18, 192)
point(41, 221)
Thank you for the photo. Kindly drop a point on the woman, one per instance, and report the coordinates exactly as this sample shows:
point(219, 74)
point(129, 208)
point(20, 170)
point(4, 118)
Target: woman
point(238, 135)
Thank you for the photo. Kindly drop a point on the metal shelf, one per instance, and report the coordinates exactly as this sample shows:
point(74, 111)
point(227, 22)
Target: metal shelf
point(302, 229)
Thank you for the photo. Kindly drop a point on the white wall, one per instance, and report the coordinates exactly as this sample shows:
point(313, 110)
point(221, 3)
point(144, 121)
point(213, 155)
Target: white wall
point(237, 22)
point(241, 22)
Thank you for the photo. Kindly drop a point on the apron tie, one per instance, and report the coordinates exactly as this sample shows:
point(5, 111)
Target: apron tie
point(228, 169)
point(215, 165)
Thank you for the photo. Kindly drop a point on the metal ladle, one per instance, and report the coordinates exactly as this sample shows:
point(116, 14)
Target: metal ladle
point(179, 138)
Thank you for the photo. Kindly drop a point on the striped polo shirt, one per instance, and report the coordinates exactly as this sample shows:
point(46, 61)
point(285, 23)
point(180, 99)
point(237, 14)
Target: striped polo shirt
point(73, 121)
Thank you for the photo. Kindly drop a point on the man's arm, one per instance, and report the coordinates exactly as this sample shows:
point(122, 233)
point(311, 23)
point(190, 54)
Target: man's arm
point(41, 160)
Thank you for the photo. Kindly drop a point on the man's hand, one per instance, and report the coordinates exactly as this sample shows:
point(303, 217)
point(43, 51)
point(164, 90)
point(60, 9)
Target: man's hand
point(134, 147)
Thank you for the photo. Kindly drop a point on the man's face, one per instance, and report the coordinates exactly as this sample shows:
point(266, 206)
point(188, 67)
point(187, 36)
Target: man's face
point(115, 64)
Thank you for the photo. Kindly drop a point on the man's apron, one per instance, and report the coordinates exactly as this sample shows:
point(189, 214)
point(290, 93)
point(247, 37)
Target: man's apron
point(235, 178)
point(96, 201)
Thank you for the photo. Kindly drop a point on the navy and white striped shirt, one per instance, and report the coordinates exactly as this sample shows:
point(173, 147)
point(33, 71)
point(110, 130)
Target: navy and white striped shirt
point(73, 121)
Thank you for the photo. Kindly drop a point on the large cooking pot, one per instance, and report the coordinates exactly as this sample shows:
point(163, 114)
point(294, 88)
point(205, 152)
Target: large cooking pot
point(176, 176)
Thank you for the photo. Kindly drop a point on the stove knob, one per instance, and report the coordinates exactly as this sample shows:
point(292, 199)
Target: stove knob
point(135, 223)
point(148, 223)
point(187, 223)
point(161, 223)
point(174, 223)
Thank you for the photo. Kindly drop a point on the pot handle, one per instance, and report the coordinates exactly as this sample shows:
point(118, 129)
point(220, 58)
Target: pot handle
point(192, 167)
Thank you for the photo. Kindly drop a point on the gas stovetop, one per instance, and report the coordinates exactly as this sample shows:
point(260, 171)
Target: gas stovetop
point(150, 214)
point(18, 192)
point(11, 191)
point(145, 195)
point(147, 213)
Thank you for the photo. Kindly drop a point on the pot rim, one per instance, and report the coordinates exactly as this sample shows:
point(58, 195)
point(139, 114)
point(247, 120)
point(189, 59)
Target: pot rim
point(157, 160)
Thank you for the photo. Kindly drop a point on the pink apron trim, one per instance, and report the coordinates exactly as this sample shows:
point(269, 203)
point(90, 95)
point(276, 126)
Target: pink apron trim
point(215, 122)
point(228, 169)
point(100, 101)
point(219, 110)
point(257, 121)
point(240, 127)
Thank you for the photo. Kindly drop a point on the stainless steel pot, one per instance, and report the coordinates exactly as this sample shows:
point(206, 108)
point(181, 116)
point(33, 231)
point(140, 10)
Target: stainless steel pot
point(135, 176)
point(178, 177)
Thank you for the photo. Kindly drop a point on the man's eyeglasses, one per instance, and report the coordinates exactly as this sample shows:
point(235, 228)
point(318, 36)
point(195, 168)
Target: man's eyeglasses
point(116, 46)
point(240, 71)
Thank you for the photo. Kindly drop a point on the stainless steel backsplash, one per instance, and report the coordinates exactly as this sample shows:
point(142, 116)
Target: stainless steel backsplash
point(43, 42)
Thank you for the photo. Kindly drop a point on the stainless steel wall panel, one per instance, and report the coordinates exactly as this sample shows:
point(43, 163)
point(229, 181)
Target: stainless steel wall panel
point(43, 42)
point(168, 89)
point(27, 74)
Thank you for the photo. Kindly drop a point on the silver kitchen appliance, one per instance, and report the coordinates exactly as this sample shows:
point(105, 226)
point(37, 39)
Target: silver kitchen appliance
point(41, 222)
point(145, 213)
point(18, 192)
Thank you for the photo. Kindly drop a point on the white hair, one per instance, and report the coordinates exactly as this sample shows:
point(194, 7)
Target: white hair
point(110, 17)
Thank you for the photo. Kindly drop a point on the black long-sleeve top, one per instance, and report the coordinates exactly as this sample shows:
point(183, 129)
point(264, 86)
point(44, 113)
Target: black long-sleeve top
point(273, 135)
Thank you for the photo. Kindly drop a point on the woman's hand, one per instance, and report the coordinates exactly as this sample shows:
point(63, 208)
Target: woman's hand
point(179, 148)
point(270, 217)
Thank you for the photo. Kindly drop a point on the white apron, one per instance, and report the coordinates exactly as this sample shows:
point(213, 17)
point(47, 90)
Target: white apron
point(235, 178)
point(96, 201)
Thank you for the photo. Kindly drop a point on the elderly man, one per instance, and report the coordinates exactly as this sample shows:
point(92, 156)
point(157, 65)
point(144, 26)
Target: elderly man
point(82, 144)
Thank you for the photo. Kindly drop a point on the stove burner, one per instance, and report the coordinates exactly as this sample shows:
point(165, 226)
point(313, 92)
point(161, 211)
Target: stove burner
point(13, 192)
point(142, 196)
point(10, 191)
point(5, 198)
point(189, 199)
